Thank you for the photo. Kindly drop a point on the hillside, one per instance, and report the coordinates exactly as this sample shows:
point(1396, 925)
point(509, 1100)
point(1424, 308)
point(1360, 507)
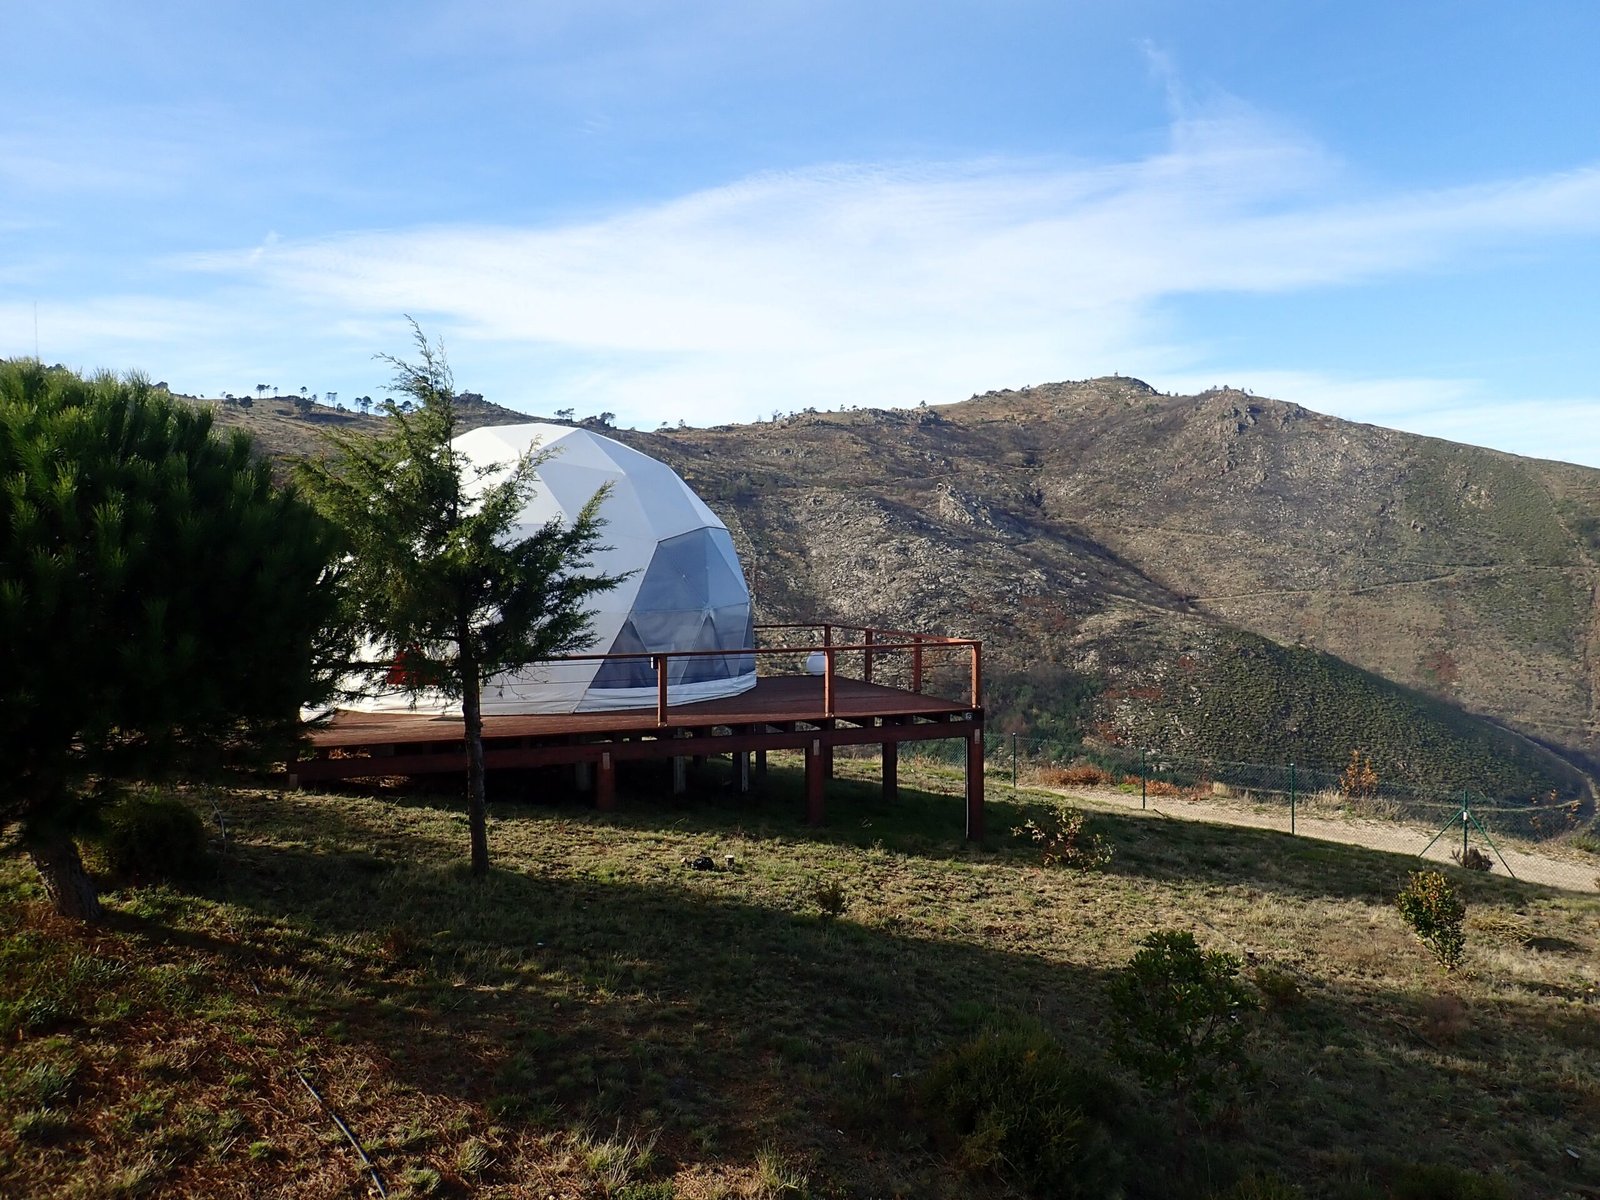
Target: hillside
point(1125, 535)
point(595, 1020)
point(285, 432)
point(1118, 549)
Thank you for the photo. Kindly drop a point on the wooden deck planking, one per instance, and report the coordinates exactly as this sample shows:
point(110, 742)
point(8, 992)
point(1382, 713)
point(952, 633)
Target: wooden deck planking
point(780, 712)
point(775, 700)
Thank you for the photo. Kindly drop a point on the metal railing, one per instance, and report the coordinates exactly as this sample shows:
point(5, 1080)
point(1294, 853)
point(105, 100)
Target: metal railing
point(875, 644)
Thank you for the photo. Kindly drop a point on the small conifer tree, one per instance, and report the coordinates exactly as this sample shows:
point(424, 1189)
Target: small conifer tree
point(435, 579)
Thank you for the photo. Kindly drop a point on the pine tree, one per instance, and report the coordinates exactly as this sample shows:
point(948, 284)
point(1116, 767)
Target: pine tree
point(436, 581)
point(162, 604)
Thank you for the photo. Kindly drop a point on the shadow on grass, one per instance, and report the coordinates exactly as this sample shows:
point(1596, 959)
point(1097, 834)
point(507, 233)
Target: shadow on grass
point(930, 825)
point(615, 988)
point(924, 823)
point(592, 980)
point(676, 1005)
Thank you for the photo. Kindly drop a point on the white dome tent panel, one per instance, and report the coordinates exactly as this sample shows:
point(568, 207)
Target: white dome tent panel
point(570, 487)
point(684, 588)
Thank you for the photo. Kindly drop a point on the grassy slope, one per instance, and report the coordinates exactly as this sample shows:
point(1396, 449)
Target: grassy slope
point(1301, 705)
point(1444, 566)
point(516, 1036)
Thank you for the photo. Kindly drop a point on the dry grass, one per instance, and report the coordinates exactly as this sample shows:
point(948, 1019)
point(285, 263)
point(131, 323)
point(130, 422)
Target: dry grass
point(1075, 775)
point(594, 1018)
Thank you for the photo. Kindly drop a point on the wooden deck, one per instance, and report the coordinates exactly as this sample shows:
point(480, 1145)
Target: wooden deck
point(783, 712)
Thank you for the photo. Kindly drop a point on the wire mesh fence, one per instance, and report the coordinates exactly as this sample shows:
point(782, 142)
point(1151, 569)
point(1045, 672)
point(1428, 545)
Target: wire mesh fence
point(1544, 840)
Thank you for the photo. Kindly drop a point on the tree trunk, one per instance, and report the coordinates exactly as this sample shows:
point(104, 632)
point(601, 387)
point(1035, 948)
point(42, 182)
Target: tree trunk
point(477, 803)
point(66, 883)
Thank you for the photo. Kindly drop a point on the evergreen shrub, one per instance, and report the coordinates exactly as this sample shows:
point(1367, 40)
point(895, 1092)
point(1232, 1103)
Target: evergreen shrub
point(154, 838)
point(1433, 908)
point(1180, 1017)
point(1018, 1104)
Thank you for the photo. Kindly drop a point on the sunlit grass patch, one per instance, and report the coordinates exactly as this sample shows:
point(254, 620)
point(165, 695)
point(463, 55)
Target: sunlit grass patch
point(594, 994)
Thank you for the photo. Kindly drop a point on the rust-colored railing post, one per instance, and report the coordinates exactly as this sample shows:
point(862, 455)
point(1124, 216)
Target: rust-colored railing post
point(827, 635)
point(916, 665)
point(661, 689)
point(866, 660)
point(977, 674)
point(827, 680)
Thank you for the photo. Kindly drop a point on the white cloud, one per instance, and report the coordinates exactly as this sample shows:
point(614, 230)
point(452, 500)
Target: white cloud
point(114, 320)
point(894, 285)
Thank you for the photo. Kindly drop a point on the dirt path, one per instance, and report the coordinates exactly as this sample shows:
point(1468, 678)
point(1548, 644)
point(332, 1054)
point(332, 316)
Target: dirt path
point(1572, 871)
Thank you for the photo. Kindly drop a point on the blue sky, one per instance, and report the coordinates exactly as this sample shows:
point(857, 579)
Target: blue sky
point(713, 211)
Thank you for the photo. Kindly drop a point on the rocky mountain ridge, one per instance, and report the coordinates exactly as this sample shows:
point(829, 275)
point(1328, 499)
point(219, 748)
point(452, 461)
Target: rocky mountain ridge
point(1106, 528)
point(1205, 555)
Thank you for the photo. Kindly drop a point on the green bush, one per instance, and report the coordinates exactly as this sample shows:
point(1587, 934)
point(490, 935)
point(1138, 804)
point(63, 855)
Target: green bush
point(1434, 909)
point(660, 1189)
point(1180, 1017)
point(1279, 988)
point(1017, 1104)
point(1437, 1181)
point(152, 838)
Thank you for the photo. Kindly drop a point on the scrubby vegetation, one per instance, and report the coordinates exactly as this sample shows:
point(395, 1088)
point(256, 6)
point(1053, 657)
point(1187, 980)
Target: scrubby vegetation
point(593, 1018)
point(1311, 708)
point(1064, 840)
point(1179, 1013)
point(1435, 911)
point(153, 837)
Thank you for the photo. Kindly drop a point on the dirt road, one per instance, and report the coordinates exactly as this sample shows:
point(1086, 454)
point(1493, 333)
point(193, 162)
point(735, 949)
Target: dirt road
point(1553, 865)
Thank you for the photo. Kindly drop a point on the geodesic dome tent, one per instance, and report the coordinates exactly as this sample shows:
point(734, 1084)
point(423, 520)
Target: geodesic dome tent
point(687, 591)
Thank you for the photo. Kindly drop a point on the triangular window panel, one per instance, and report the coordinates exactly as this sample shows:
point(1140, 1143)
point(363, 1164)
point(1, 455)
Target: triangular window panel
point(626, 672)
point(701, 670)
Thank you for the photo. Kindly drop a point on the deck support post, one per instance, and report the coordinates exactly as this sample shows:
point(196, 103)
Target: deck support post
point(680, 775)
point(827, 762)
point(581, 775)
point(761, 768)
point(975, 785)
point(814, 782)
point(605, 792)
point(891, 772)
point(741, 772)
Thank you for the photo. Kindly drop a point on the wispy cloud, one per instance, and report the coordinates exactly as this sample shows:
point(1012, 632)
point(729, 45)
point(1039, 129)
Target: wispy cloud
point(893, 285)
point(107, 319)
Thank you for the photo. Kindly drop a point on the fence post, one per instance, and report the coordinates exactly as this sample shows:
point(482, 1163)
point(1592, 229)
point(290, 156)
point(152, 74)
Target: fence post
point(1142, 789)
point(1013, 765)
point(1291, 797)
point(1466, 818)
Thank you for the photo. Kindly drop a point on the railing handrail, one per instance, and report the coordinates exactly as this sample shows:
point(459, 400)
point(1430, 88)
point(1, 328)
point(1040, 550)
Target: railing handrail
point(872, 629)
point(869, 649)
point(875, 647)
